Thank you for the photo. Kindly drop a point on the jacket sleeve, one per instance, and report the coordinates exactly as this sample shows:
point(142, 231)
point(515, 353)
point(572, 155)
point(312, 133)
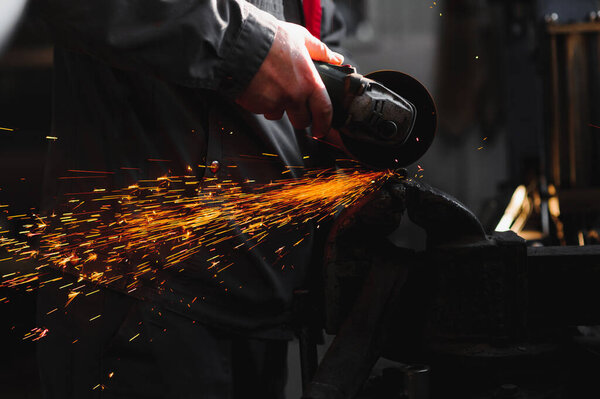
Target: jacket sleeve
point(209, 44)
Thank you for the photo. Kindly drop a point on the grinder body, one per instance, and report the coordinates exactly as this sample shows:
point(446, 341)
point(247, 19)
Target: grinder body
point(386, 119)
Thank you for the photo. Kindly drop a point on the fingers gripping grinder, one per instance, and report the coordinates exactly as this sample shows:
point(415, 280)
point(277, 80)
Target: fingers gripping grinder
point(386, 119)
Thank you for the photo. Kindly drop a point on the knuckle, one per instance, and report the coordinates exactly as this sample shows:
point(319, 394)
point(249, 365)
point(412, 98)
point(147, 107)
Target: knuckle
point(304, 31)
point(322, 102)
point(327, 109)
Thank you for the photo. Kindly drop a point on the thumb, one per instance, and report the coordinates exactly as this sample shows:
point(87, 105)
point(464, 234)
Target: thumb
point(319, 51)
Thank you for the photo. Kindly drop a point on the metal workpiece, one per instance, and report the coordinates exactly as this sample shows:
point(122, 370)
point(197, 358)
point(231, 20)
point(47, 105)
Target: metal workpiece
point(363, 272)
point(364, 292)
point(445, 220)
point(468, 302)
point(356, 238)
point(361, 339)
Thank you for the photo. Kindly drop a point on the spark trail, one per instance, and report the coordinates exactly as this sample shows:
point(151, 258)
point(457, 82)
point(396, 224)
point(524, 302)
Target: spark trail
point(105, 237)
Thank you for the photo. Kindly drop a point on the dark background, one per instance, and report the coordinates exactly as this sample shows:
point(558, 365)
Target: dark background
point(482, 61)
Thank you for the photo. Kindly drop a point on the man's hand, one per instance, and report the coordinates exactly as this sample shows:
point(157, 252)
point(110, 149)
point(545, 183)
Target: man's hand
point(288, 81)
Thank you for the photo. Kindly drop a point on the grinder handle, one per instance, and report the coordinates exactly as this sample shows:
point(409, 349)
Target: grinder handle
point(342, 83)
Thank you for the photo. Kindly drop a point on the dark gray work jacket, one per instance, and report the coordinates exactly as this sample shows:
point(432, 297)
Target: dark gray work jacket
point(143, 80)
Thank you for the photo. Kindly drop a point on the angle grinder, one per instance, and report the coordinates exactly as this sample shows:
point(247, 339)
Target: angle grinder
point(386, 119)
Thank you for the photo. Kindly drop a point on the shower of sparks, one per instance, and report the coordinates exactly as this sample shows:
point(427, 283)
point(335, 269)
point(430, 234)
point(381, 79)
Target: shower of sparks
point(482, 147)
point(125, 235)
point(36, 334)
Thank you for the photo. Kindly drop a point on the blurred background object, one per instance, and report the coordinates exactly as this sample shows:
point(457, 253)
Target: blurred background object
point(10, 15)
point(489, 66)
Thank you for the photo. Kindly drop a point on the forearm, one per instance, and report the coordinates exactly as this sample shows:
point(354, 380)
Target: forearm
point(210, 44)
